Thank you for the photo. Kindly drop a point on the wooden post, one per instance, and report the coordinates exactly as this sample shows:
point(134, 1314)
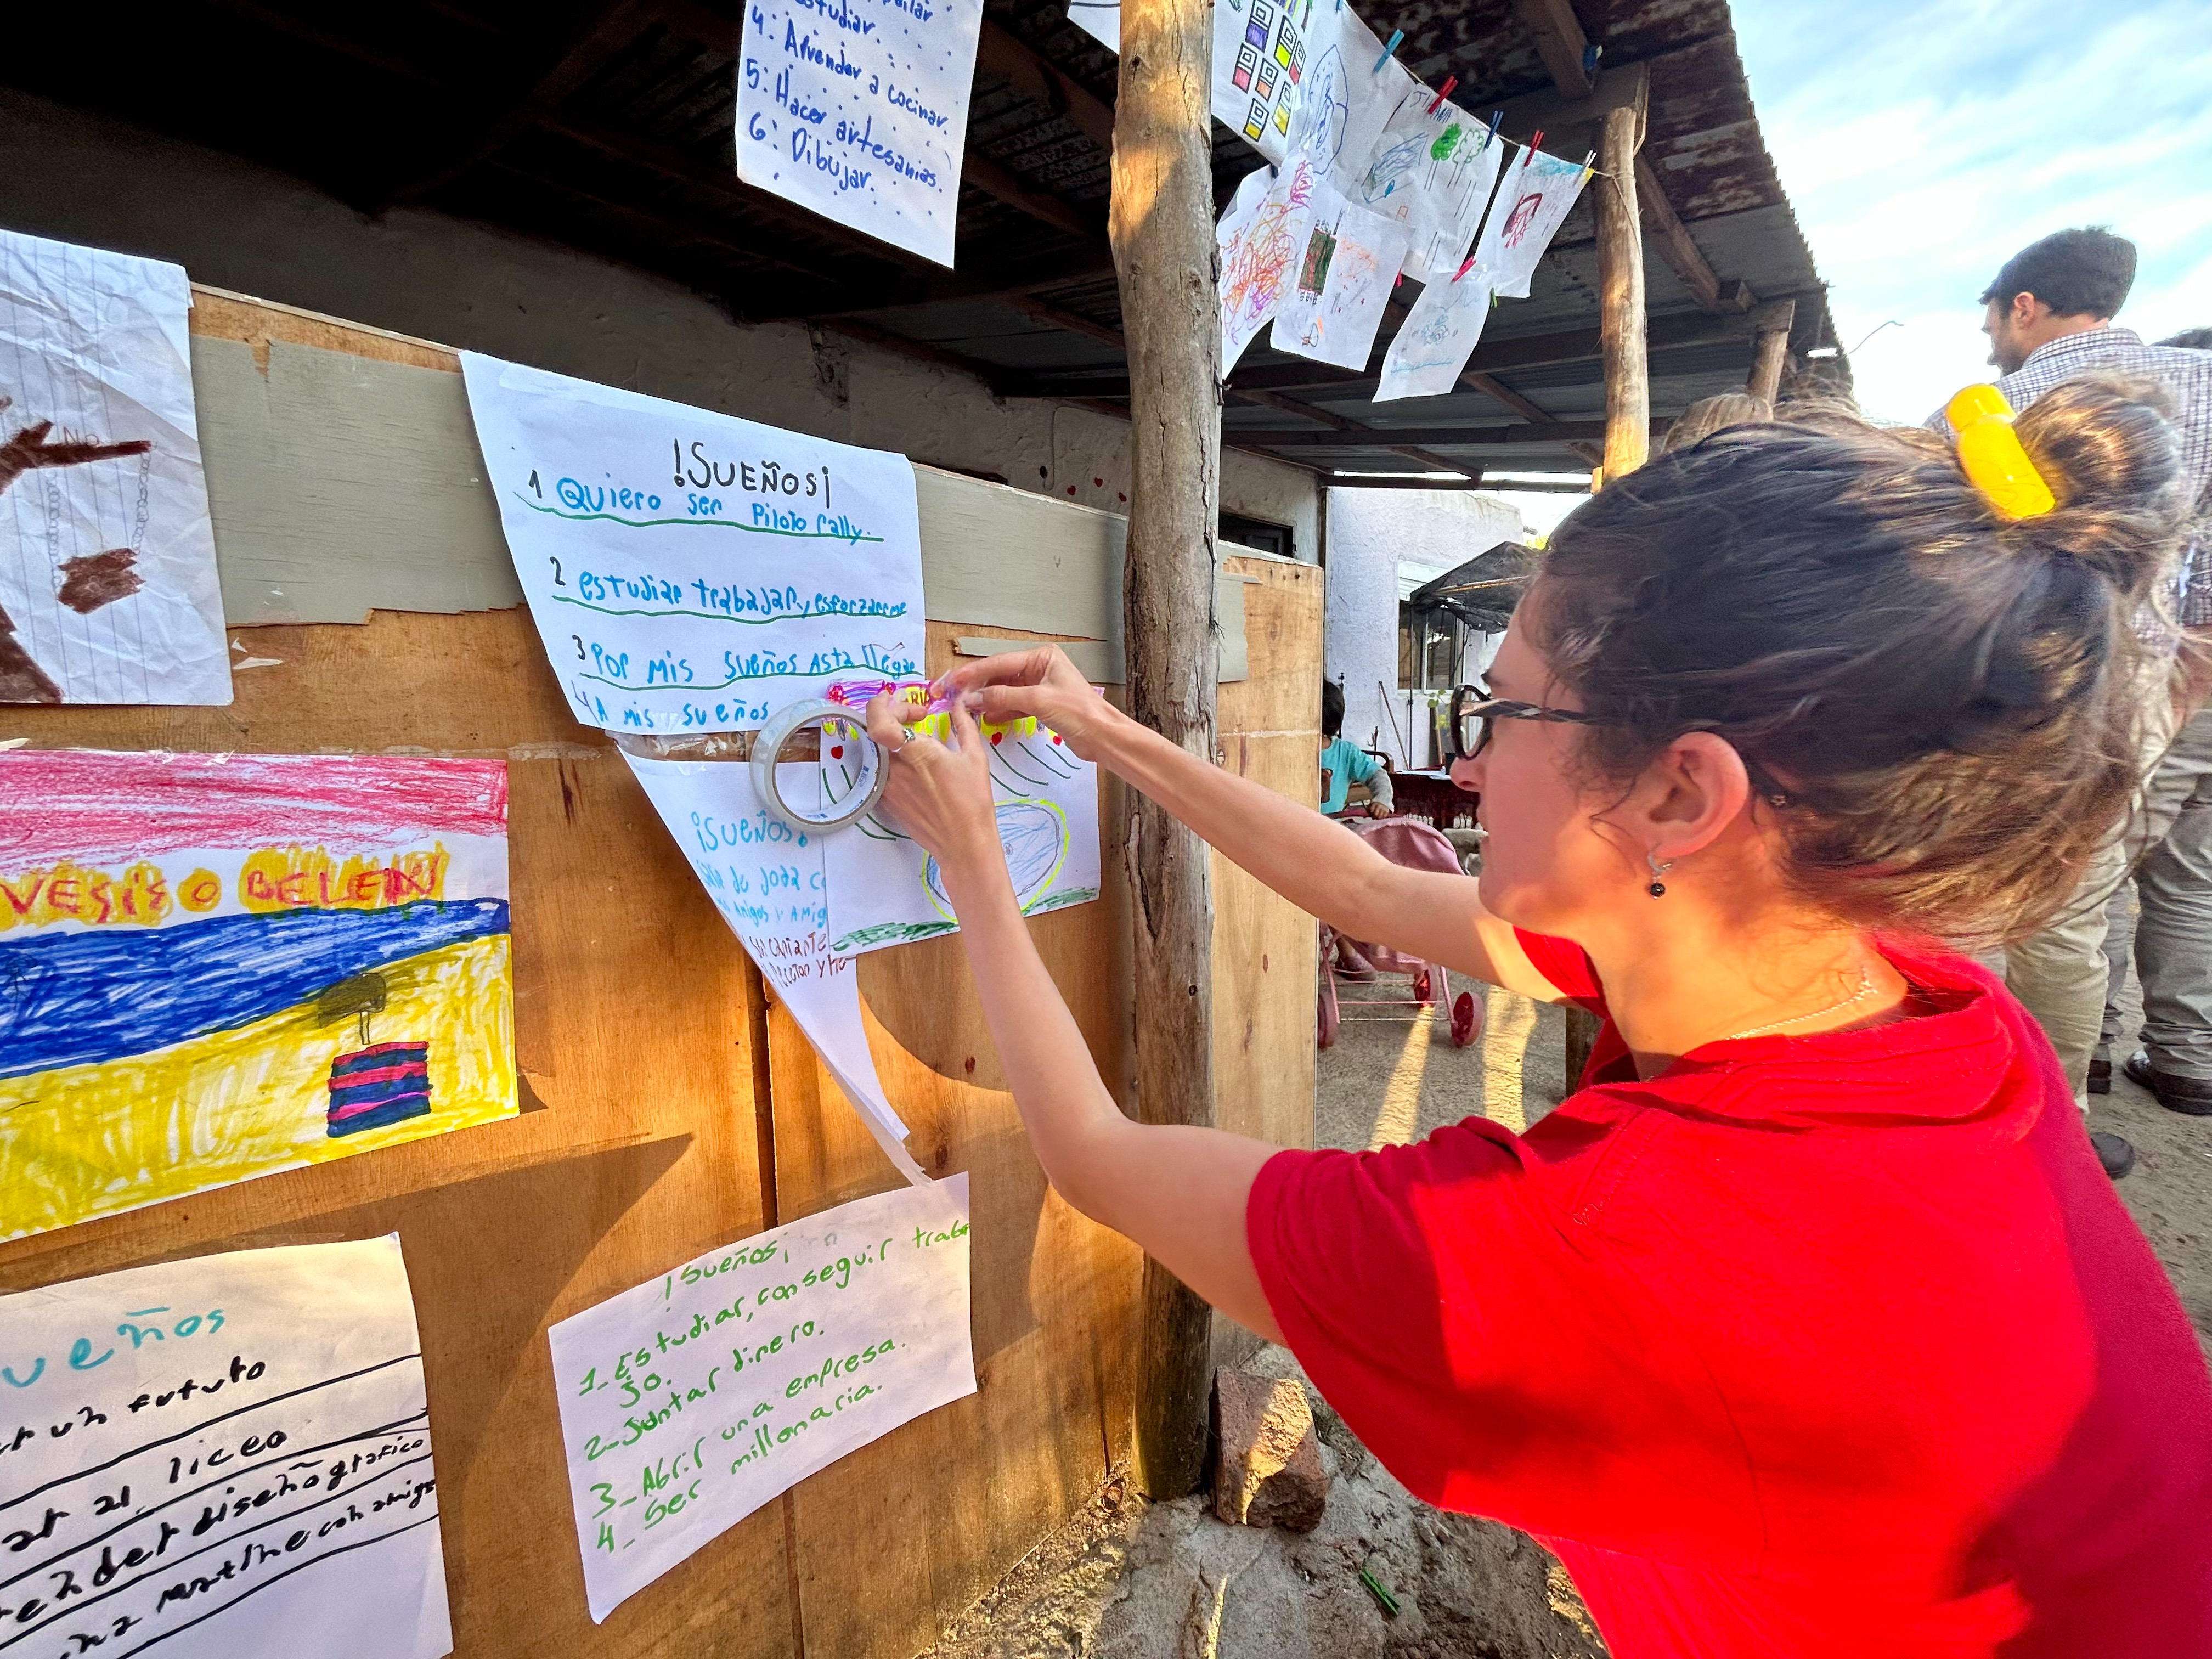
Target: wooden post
point(1620, 296)
point(1627, 373)
point(1770, 350)
point(1161, 225)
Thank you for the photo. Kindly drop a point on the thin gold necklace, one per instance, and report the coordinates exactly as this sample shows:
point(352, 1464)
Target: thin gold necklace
point(1865, 990)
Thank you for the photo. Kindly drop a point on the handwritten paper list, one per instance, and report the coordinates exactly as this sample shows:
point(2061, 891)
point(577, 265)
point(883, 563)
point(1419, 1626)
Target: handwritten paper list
point(858, 110)
point(223, 1456)
point(689, 571)
point(690, 1401)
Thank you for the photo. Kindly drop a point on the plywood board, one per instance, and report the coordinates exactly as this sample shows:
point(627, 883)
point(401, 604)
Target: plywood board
point(635, 1148)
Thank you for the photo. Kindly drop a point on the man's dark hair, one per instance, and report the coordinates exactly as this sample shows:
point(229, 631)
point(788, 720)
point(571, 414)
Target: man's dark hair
point(2077, 273)
point(1332, 709)
point(2191, 339)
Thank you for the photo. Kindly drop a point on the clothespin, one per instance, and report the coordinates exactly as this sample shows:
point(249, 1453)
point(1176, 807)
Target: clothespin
point(1390, 51)
point(1491, 136)
point(1466, 265)
point(1587, 169)
point(1591, 53)
point(1450, 81)
point(1528, 150)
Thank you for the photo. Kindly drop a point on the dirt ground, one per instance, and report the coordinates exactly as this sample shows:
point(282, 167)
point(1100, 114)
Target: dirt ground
point(1128, 1579)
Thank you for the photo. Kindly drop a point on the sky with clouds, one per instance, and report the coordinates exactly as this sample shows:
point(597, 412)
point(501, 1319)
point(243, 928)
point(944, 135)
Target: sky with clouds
point(1923, 145)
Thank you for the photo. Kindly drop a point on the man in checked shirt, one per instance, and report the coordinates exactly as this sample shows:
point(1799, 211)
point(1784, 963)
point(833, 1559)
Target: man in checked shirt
point(2049, 320)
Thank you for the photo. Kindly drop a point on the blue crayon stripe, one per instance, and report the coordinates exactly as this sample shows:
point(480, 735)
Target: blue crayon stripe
point(84, 998)
point(397, 1111)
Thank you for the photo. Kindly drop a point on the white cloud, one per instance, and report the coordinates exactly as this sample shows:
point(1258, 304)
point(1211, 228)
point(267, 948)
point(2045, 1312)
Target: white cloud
point(1921, 147)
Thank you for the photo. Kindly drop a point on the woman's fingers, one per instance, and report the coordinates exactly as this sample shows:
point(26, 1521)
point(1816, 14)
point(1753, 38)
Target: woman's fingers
point(883, 727)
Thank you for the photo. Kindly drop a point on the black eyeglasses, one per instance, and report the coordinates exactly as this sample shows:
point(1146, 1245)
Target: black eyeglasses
point(1473, 708)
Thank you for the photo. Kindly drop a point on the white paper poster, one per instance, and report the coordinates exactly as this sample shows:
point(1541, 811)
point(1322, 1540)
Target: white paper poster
point(768, 880)
point(1259, 59)
point(1342, 282)
point(693, 572)
point(1433, 174)
point(858, 110)
point(220, 1457)
point(107, 572)
point(884, 890)
point(692, 1400)
point(1259, 235)
point(1345, 98)
point(1438, 335)
point(1532, 202)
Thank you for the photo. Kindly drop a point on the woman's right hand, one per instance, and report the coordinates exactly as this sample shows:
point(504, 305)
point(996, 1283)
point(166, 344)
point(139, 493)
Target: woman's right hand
point(1040, 684)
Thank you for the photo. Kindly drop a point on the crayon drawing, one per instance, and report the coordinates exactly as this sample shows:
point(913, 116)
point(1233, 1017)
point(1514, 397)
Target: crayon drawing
point(1533, 201)
point(107, 572)
point(884, 890)
point(1434, 174)
point(1438, 335)
point(1260, 233)
point(1350, 260)
point(215, 967)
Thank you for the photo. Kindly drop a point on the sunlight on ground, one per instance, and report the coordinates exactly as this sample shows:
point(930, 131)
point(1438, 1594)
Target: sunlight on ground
point(1400, 1119)
point(1508, 1020)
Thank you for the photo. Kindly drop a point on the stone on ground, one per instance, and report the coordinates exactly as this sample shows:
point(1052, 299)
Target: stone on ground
point(1268, 1469)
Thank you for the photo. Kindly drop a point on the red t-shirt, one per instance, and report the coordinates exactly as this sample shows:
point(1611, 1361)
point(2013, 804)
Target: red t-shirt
point(1840, 1344)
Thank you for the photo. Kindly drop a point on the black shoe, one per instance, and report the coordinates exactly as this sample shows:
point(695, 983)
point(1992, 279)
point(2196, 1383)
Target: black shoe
point(2177, 1094)
point(2101, 1070)
point(2113, 1152)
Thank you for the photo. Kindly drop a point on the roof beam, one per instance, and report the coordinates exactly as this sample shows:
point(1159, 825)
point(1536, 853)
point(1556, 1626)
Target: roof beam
point(1001, 53)
point(1665, 227)
point(1560, 42)
point(614, 26)
point(1383, 437)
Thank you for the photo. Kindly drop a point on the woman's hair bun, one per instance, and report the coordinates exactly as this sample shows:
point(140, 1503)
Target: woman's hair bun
point(2108, 449)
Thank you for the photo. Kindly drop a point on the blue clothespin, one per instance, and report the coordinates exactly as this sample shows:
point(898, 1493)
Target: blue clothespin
point(1491, 136)
point(1591, 53)
point(1390, 51)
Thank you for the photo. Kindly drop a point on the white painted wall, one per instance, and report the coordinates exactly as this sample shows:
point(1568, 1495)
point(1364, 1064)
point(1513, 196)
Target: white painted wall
point(1383, 543)
point(236, 224)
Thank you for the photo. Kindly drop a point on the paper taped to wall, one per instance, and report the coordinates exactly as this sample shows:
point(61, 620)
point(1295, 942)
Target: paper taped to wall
point(107, 572)
point(690, 1401)
point(768, 880)
point(215, 967)
point(885, 890)
point(859, 112)
point(693, 572)
point(224, 1456)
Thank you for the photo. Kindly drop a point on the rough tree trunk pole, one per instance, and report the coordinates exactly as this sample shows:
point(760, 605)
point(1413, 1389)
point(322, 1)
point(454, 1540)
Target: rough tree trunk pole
point(1627, 375)
point(1162, 227)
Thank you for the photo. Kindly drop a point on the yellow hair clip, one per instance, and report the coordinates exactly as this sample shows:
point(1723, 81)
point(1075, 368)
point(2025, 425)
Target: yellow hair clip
point(1991, 453)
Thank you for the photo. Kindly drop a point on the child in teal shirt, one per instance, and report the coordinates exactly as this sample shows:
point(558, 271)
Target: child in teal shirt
point(1343, 764)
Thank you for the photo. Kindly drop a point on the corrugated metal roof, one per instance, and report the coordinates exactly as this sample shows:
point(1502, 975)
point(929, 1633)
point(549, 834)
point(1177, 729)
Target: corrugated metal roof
point(608, 124)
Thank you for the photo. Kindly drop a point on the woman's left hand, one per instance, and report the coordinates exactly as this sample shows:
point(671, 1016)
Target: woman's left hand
point(939, 794)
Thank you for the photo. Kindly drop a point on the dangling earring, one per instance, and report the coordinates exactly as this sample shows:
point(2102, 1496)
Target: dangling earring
point(1659, 867)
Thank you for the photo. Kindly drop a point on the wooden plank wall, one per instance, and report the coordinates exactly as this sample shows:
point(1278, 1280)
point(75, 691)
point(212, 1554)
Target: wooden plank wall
point(668, 1108)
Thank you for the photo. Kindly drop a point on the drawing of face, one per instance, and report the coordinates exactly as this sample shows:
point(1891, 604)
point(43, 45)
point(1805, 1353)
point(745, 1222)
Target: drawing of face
point(1516, 223)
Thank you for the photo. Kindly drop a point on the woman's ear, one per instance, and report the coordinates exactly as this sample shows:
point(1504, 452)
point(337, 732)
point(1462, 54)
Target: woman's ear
point(1688, 796)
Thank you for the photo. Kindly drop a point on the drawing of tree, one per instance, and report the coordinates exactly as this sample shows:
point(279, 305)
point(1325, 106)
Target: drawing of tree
point(89, 582)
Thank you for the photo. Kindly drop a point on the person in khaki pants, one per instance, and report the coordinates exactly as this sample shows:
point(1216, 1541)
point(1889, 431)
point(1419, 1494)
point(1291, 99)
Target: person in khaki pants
point(2049, 319)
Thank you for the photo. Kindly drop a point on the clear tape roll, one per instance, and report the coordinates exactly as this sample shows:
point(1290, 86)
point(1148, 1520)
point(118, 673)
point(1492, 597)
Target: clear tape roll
point(768, 743)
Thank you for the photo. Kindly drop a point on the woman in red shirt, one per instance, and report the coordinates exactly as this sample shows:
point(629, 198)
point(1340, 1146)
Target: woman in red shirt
point(1809, 1324)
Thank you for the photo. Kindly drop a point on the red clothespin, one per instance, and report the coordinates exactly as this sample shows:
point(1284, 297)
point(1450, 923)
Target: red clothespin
point(1528, 150)
point(1466, 265)
point(1450, 81)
